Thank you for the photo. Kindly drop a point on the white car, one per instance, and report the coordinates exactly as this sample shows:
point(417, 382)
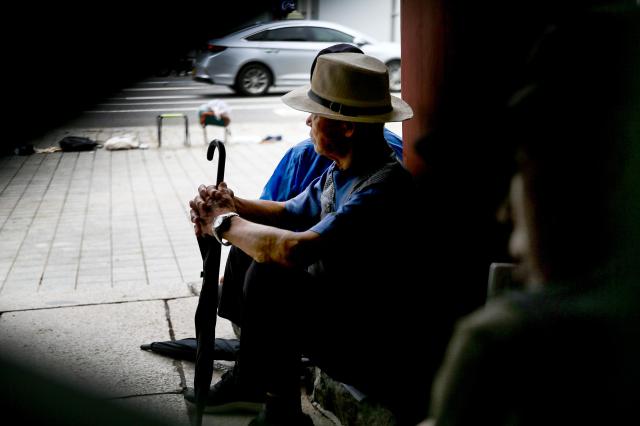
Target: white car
point(280, 54)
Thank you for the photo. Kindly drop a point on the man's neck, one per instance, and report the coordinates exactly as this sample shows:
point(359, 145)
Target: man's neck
point(344, 162)
point(365, 154)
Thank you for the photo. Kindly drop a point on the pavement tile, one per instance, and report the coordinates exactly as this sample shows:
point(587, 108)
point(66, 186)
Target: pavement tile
point(87, 345)
point(13, 287)
point(32, 274)
point(173, 271)
point(30, 260)
point(172, 407)
point(134, 260)
point(67, 283)
point(93, 281)
point(94, 269)
point(60, 269)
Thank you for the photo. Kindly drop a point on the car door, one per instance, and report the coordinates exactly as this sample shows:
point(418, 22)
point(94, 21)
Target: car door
point(299, 47)
point(287, 52)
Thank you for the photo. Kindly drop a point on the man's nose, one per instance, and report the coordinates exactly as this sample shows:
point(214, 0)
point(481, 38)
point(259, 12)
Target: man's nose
point(309, 120)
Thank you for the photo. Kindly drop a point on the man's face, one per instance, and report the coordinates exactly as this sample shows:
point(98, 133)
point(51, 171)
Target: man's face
point(327, 135)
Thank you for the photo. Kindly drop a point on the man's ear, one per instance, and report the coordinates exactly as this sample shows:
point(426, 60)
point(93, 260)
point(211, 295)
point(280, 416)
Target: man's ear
point(348, 128)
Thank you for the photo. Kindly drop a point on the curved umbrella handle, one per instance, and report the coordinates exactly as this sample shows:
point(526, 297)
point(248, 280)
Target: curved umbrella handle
point(222, 155)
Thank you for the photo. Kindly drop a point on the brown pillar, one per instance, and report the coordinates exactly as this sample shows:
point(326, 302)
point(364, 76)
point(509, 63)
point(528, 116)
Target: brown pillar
point(422, 32)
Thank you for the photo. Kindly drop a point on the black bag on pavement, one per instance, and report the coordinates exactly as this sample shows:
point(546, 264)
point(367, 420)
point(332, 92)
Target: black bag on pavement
point(77, 143)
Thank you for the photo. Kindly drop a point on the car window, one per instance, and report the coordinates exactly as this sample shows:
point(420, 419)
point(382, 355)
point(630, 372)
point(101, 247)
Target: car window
point(240, 29)
point(258, 36)
point(281, 34)
point(329, 35)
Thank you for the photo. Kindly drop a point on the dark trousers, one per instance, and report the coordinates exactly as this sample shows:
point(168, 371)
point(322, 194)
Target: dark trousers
point(285, 313)
point(267, 301)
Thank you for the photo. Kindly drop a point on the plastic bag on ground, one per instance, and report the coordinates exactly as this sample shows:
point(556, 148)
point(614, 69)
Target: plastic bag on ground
point(123, 142)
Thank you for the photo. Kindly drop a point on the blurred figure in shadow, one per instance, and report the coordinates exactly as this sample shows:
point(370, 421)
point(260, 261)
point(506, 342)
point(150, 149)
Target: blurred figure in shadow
point(564, 350)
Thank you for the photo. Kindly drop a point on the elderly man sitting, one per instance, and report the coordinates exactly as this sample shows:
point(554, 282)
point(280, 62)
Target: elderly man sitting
point(340, 265)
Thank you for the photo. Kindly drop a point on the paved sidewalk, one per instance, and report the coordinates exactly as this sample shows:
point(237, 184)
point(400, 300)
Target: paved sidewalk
point(97, 256)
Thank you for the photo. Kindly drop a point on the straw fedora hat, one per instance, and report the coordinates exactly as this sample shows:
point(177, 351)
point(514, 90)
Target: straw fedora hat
point(349, 87)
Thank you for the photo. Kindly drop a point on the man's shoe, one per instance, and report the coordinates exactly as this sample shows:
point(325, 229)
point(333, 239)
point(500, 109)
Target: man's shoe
point(226, 397)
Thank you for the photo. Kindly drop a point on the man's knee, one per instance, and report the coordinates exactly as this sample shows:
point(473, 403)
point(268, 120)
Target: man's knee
point(270, 279)
point(264, 274)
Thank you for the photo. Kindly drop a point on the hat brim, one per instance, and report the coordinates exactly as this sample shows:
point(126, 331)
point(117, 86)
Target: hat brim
point(298, 99)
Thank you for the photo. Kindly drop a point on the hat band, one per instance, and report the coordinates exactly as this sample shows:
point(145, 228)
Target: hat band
point(347, 110)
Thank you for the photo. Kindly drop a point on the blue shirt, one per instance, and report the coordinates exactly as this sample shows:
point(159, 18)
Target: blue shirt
point(300, 165)
point(350, 232)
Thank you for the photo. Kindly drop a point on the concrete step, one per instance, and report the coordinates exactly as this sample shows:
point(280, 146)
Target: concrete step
point(349, 405)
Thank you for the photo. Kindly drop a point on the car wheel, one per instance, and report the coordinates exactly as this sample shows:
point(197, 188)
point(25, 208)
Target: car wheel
point(394, 75)
point(253, 80)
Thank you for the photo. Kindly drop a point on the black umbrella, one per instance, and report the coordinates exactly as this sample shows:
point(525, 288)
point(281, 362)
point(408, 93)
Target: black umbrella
point(205, 318)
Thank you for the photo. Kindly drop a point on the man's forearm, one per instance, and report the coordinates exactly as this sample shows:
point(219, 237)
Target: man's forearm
point(267, 244)
point(264, 212)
